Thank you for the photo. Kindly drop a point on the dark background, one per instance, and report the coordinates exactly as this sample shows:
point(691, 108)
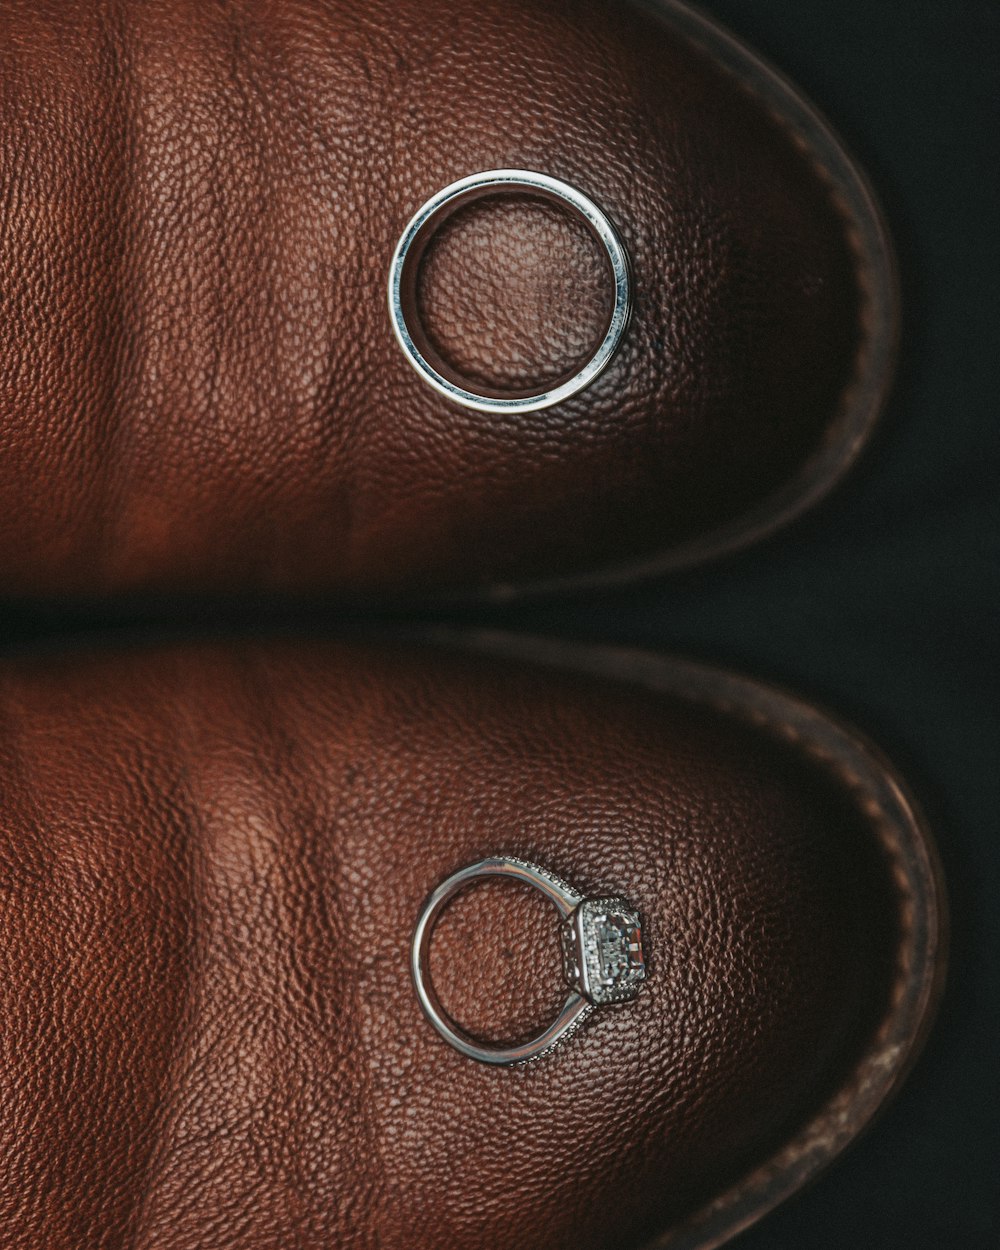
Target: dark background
point(885, 604)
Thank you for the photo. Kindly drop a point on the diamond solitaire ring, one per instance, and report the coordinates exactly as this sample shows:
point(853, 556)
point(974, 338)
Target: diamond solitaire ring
point(602, 948)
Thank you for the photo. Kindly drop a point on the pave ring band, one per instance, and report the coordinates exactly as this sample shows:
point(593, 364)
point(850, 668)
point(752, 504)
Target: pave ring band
point(602, 949)
point(403, 283)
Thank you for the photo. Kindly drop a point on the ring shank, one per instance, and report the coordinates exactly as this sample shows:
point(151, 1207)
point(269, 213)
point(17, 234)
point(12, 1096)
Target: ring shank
point(576, 1007)
point(406, 259)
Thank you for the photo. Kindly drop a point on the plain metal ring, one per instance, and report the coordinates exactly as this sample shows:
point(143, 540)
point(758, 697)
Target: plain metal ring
point(402, 272)
point(581, 921)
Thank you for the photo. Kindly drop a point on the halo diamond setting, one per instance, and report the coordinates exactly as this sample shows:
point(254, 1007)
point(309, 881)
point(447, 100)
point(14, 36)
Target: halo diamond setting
point(602, 946)
point(602, 951)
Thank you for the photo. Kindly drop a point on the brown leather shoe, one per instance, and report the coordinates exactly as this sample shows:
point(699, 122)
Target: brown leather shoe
point(213, 863)
point(200, 391)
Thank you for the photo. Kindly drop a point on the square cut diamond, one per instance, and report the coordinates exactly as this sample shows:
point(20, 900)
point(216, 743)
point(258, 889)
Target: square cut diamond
point(602, 951)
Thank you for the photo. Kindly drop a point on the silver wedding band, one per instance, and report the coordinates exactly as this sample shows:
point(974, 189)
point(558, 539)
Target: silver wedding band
point(602, 946)
point(403, 277)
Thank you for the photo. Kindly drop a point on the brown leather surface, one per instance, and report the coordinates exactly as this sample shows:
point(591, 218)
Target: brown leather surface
point(198, 386)
point(211, 862)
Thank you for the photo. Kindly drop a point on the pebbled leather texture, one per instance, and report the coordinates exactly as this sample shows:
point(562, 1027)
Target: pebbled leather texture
point(212, 859)
point(199, 391)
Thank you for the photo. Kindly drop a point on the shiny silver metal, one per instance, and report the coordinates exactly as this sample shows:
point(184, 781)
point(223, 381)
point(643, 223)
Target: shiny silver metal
point(406, 261)
point(603, 957)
